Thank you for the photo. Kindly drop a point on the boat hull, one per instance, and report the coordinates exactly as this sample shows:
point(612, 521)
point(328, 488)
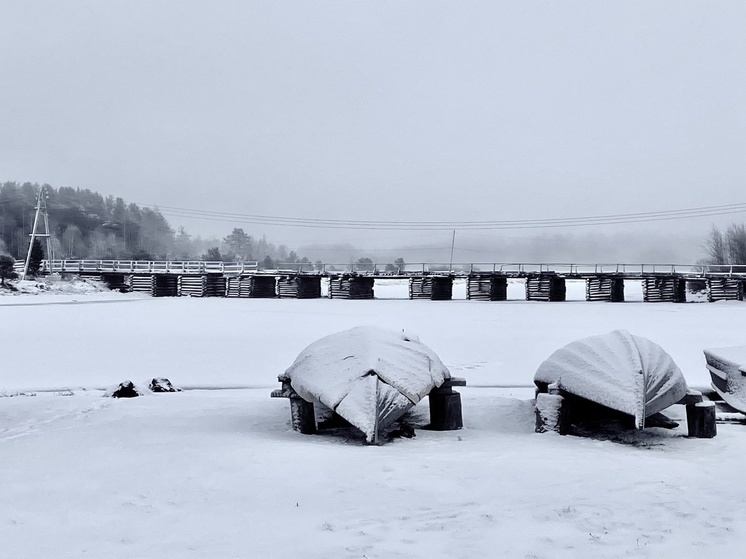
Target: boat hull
point(727, 368)
point(626, 373)
point(368, 376)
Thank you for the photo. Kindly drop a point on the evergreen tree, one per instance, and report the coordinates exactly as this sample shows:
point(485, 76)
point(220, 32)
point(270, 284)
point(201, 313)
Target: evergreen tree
point(6, 268)
point(36, 258)
point(397, 266)
point(142, 255)
point(241, 244)
point(212, 255)
point(182, 244)
point(364, 265)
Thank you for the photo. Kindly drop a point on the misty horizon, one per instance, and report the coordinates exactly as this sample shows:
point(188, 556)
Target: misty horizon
point(417, 112)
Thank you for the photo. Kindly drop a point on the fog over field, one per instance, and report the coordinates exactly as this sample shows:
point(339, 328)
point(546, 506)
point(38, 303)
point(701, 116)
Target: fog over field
point(423, 112)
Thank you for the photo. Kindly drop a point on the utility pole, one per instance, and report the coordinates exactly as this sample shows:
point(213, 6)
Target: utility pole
point(453, 242)
point(41, 210)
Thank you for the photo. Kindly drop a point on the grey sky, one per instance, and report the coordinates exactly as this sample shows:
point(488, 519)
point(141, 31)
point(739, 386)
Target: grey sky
point(379, 110)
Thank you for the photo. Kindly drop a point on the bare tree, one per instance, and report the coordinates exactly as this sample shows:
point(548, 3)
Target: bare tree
point(73, 243)
point(715, 247)
point(736, 243)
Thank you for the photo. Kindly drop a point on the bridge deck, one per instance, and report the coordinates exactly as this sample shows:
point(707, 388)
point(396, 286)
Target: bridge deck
point(378, 271)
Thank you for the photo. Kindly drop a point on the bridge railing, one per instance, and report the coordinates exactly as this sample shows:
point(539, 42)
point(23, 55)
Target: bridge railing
point(523, 268)
point(146, 266)
point(517, 269)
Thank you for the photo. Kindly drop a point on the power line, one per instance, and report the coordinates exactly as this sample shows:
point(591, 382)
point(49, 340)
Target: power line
point(475, 225)
point(579, 221)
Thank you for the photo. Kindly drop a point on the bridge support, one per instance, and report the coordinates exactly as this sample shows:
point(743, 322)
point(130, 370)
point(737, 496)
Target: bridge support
point(435, 288)
point(487, 287)
point(664, 289)
point(239, 286)
point(604, 288)
point(158, 285)
point(725, 289)
point(349, 286)
point(545, 287)
point(263, 287)
point(208, 285)
point(299, 287)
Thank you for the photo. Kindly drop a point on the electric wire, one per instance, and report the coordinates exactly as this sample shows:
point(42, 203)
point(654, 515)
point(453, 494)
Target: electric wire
point(579, 221)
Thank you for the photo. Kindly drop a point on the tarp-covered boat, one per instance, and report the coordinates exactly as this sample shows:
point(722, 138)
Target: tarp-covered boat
point(367, 375)
point(620, 371)
point(727, 366)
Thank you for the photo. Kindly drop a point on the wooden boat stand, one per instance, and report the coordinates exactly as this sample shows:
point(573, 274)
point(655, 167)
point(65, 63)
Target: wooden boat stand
point(552, 413)
point(445, 408)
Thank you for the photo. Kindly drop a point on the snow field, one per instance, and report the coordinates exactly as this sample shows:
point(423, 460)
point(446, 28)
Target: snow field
point(218, 473)
point(248, 342)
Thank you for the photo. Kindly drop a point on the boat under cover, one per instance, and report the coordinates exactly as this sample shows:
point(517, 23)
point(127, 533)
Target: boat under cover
point(618, 370)
point(369, 376)
point(727, 366)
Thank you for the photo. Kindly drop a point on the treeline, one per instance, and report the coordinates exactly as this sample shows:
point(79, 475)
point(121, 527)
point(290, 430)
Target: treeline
point(240, 246)
point(85, 224)
point(726, 247)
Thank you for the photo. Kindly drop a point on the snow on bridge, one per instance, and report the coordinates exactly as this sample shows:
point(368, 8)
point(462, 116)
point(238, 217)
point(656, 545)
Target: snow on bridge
point(387, 270)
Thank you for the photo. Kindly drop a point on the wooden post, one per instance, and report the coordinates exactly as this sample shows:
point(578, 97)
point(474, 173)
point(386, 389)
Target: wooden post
point(551, 412)
point(700, 420)
point(445, 408)
point(302, 416)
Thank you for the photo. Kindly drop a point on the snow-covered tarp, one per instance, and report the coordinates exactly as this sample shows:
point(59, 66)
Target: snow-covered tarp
point(368, 375)
point(627, 373)
point(727, 366)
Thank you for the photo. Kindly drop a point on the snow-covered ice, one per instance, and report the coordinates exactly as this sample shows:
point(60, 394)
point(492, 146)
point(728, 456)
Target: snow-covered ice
point(218, 473)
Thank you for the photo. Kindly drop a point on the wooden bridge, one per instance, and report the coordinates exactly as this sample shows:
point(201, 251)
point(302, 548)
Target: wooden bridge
point(485, 281)
point(631, 271)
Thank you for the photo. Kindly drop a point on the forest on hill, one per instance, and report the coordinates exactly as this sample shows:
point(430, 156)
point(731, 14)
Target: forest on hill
point(86, 224)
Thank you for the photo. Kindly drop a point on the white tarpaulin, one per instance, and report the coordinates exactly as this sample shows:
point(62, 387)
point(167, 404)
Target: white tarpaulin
point(368, 375)
point(627, 373)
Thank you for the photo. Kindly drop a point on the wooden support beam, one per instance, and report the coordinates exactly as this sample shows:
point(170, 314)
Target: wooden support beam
point(302, 415)
point(692, 397)
point(445, 409)
point(551, 412)
point(700, 420)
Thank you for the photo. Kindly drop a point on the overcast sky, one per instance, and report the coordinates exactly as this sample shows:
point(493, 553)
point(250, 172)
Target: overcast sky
point(379, 110)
